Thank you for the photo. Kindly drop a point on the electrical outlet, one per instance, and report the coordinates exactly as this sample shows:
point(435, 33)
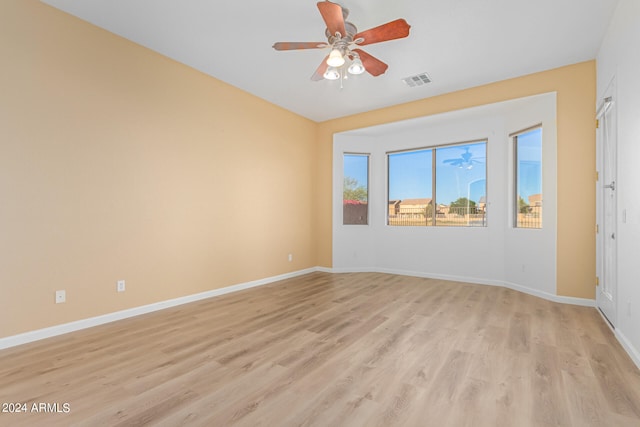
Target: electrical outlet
point(290, 257)
point(120, 287)
point(61, 296)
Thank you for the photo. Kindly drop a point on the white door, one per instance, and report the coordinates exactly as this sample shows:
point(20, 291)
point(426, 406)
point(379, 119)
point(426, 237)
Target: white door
point(606, 202)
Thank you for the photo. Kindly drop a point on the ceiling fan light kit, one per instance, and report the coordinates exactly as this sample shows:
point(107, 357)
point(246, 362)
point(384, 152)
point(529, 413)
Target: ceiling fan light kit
point(343, 39)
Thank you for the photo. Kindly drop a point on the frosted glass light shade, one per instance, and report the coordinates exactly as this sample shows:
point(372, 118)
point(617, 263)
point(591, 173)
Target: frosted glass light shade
point(356, 67)
point(332, 73)
point(335, 59)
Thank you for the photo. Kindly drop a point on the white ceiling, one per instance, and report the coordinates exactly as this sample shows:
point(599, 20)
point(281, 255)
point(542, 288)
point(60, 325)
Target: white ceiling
point(459, 43)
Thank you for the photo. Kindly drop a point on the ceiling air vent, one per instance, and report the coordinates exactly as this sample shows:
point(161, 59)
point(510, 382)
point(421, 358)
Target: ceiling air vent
point(417, 80)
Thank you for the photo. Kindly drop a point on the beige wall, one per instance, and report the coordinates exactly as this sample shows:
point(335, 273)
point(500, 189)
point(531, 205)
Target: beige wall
point(575, 87)
point(118, 163)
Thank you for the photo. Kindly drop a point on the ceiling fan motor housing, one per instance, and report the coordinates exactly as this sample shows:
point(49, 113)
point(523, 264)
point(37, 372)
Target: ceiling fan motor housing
point(348, 38)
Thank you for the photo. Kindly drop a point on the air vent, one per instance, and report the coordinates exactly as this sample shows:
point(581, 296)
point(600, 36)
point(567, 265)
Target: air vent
point(417, 80)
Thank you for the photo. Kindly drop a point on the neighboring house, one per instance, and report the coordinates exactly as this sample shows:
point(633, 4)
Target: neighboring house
point(394, 207)
point(535, 200)
point(482, 204)
point(414, 205)
point(443, 209)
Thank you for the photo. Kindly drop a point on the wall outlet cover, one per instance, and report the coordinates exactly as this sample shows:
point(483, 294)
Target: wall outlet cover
point(61, 296)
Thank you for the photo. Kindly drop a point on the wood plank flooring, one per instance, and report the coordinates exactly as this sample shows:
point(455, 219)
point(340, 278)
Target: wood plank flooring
point(359, 349)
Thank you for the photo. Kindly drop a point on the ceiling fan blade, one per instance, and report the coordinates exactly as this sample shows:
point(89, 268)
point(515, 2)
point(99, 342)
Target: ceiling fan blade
point(372, 65)
point(333, 17)
point(299, 45)
point(319, 73)
point(390, 31)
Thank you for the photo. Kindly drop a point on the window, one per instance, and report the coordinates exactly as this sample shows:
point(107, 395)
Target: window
point(528, 178)
point(438, 186)
point(410, 187)
point(355, 190)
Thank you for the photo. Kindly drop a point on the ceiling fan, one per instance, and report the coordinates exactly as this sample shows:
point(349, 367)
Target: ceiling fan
point(465, 160)
point(344, 39)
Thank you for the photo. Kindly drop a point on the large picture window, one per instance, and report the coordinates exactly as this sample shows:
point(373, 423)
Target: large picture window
point(528, 176)
point(355, 190)
point(438, 186)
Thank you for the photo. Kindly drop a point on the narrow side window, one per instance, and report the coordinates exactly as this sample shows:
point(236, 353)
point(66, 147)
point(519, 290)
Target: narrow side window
point(355, 190)
point(528, 178)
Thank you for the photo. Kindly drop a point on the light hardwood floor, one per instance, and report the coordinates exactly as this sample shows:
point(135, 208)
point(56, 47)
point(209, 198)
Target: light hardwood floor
point(324, 349)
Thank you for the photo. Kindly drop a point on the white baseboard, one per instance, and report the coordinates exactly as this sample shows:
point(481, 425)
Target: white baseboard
point(53, 331)
point(515, 287)
point(633, 352)
point(551, 297)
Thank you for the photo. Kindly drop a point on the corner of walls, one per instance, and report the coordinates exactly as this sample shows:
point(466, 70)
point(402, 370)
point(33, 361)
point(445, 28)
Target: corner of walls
point(576, 168)
point(323, 223)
